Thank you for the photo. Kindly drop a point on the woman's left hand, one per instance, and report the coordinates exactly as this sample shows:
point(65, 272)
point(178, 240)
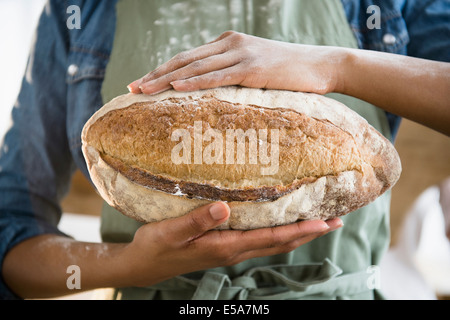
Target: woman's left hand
point(240, 59)
point(413, 88)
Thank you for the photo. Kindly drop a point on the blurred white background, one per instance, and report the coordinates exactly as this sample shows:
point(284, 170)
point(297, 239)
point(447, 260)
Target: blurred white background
point(18, 19)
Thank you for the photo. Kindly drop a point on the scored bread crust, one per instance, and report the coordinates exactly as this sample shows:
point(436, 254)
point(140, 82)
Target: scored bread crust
point(149, 197)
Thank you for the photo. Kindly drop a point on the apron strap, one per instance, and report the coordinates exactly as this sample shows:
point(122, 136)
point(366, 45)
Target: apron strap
point(276, 282)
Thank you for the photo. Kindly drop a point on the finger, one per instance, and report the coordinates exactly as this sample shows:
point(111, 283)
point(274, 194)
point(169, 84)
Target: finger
point(197, 222)
point(224, 35)
point(220, 78)
point(286, 247)
point(180, 60)
point(276, 236)
point(134, 86)
point(334, 223)
point(216, 46)
point(194, 69)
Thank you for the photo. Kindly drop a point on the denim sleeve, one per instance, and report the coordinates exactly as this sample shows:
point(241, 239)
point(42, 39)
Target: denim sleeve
point(429, 29)
point(35, 161)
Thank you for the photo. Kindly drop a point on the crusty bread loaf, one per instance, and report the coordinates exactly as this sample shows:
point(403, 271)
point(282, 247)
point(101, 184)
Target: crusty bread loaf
point(301, 156)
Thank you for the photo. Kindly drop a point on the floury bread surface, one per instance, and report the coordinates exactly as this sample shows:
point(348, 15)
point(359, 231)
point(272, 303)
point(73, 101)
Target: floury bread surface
point(329, 160)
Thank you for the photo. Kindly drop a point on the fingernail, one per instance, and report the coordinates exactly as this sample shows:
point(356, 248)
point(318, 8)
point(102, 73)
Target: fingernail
point(148, 86)
point(338, 225)
point(218, 211)
point(325, 227)
point(175, 85)
point(182, 85)
point(134, 86)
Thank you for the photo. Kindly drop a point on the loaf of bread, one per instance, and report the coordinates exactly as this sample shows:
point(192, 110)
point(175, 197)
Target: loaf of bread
point(274, 156)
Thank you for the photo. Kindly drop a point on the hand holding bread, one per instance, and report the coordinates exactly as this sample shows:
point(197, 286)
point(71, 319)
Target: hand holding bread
point(190, 243)
point(239, 59)
point(413, 88)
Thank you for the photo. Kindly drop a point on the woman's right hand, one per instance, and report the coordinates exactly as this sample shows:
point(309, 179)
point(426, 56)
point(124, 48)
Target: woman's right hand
point(165, 249)
point(159, 251)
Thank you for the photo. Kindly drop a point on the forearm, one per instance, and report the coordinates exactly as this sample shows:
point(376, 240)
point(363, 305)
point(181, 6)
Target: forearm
point(161, 250)
point(38, 267)
point(412, 88)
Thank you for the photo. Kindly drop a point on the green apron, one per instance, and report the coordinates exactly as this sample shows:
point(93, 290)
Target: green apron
point(335, 266)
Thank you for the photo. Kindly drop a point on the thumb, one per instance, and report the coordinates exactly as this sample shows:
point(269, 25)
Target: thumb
point(200, 220)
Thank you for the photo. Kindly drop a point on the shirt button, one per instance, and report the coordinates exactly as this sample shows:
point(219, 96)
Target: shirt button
point(389, 39)
point(72, 70)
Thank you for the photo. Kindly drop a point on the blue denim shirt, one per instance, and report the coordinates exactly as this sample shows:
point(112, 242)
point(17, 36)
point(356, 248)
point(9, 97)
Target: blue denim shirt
point(61, 90)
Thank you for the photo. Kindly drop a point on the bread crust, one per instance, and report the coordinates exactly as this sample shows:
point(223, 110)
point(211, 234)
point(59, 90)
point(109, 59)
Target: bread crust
point(363, 164)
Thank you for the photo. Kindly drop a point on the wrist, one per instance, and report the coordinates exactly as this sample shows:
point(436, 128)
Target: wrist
point(341, 64)
point(138, 267)
point(125, 266)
